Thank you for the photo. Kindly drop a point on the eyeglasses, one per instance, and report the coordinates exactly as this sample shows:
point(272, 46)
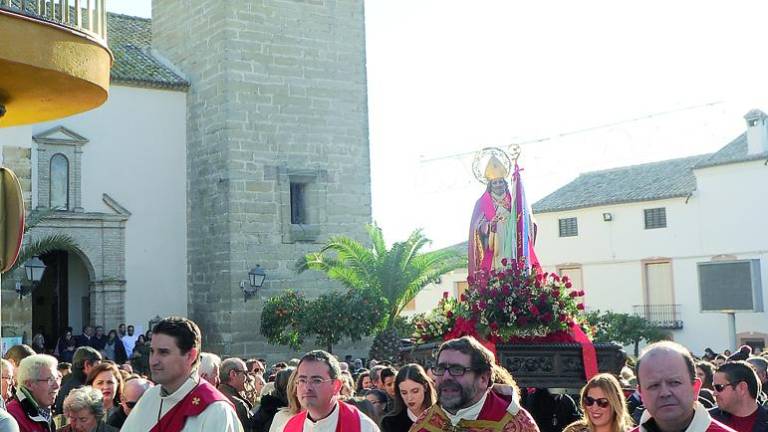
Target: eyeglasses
point(720, 387)
point(50, 380)
point(313, 382)
point(601, 402)
point(454, 370)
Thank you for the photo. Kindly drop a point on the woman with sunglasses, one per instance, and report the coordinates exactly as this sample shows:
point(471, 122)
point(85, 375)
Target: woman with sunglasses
point(604, 407)
point(414, 393)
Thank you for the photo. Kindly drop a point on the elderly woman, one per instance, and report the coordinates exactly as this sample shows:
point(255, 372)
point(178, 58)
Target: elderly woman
point(84, 410)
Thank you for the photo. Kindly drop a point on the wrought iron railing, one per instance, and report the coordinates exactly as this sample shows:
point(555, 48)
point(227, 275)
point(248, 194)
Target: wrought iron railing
point(86, 15)
point(666, 316)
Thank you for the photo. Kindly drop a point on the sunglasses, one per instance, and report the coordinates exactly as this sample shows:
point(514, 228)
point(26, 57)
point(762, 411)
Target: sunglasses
point(601, 402)
point(131, 405)
point(720, 387)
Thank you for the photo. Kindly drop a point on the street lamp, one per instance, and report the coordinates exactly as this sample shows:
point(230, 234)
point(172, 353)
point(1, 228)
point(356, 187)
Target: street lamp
point(255, 281)
point(34, 268)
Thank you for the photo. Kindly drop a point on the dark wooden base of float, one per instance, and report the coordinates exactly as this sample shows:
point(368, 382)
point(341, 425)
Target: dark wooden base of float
point(537, 365)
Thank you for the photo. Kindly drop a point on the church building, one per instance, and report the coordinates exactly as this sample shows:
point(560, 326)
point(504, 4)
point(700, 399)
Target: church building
point(235, 135)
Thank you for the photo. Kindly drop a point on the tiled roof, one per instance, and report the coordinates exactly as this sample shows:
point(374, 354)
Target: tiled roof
point(734, 152)
point(130, 39)
point(646, 182)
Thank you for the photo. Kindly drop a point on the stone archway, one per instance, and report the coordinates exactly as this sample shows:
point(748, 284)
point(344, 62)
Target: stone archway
point(100, 238)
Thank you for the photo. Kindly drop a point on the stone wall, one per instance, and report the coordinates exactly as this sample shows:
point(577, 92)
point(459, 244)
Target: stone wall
point(278, 94)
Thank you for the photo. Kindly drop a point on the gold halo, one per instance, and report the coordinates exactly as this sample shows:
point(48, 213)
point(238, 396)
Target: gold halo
point(483, 156)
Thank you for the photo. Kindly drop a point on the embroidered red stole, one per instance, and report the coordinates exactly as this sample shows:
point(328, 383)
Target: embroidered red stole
point(194, 403)
point(493, 417)
point(349, 420)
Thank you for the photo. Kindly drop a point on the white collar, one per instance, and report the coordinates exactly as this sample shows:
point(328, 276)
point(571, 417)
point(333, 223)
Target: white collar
point(182, 391)
point(700, 423)
point(411, 415)
point(329, 420)
point(469, 413)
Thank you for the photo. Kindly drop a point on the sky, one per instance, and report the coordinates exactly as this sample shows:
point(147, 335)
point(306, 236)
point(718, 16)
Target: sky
point(582, 86)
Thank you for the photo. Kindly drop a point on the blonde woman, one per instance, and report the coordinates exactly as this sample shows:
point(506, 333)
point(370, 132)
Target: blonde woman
point(604, 407)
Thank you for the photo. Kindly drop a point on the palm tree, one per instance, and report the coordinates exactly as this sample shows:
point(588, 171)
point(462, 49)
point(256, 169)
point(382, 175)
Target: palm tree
point(395, 275)
point(42, 245)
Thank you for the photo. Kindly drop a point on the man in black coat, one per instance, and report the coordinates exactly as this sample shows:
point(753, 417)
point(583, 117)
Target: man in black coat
point(85, 359)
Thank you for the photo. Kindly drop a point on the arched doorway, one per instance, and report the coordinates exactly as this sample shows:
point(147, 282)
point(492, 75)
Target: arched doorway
point(63, 297)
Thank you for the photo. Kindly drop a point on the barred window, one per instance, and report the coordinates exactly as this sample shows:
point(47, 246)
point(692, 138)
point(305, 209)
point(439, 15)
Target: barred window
point(656, 218)
point(568, 227)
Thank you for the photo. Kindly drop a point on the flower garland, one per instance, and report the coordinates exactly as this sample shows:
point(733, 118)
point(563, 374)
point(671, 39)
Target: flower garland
point(512, 304)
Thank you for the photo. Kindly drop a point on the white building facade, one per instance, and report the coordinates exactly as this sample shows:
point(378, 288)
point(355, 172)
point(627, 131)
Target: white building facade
point(634, 238)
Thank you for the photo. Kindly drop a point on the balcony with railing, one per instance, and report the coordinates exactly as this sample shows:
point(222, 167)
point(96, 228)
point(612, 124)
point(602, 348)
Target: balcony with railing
point(54, 59)
point(666, 316)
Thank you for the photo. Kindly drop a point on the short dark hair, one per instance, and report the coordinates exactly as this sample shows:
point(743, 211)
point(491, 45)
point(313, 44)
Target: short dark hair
point(669, 346)
point(759, 363)
point(709, 370)
point(386, 373)
point(324, 357)
point(738, 371)
point(184, 331)
point(481, 358)
point(84, 354)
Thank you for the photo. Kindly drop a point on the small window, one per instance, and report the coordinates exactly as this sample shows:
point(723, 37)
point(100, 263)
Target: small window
point(59, 182)
point(656, 218)
point(569, 227)
point(298, 204)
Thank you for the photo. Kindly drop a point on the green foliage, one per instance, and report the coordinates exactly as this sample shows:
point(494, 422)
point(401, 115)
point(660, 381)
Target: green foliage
point(281, 319)
point(624, 329)
point(42, 245)
point(291, 318)
point(394, 275)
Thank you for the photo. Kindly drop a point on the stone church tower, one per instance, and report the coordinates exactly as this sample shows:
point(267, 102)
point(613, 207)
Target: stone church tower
point(277, 148)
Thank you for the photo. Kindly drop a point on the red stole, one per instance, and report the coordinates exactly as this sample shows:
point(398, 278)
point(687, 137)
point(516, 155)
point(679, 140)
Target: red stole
point(194, 403)
point(349, 420)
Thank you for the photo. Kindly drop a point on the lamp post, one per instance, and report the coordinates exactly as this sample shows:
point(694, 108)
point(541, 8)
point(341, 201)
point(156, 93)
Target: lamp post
point(255, 281)
point(34, 269)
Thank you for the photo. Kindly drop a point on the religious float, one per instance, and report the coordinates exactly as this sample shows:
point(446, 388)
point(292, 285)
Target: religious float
point(531, 319)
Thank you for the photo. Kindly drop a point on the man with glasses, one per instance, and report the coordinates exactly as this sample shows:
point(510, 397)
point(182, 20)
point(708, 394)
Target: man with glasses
point(7, 422)
point(736, 388)
point(465, 401)
point(182, 402)
point(233, 375)
point(133, 389)
point(666, 379)
point(38, 384)
point(317, 386)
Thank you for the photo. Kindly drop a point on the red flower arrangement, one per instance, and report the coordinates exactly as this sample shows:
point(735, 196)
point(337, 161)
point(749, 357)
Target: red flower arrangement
point(513, 304)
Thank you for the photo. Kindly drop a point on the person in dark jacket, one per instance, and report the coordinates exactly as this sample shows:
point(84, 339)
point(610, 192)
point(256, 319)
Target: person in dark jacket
point(271, 403)
point(233, 374)
point(736, 388)
point(114, 349)
point(414, 393)
point(552, 412)
point(85, 359)
point(66, 346)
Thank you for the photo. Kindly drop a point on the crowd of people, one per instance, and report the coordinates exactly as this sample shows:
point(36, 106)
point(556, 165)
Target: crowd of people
point(184, 389)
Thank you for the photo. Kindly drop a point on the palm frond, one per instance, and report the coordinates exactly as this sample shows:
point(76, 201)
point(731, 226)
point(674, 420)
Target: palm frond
point(377, 239)
point(36, 216)
point(42, 246)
